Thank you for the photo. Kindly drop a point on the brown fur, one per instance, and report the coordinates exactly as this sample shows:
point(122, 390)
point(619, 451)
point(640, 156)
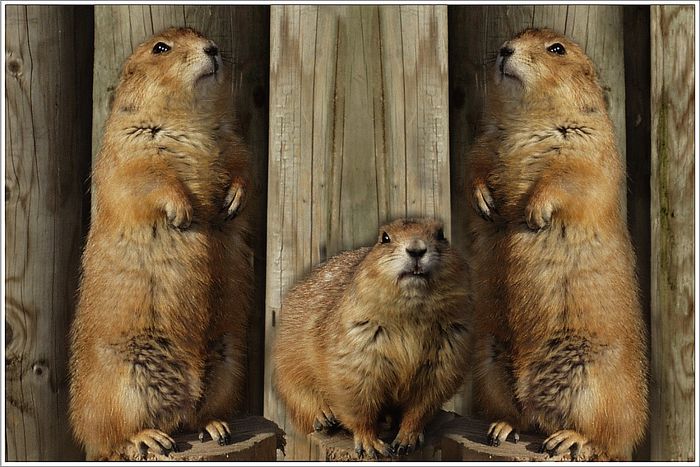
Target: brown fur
point(357, 340)
point(559, 342)
point(158, 338)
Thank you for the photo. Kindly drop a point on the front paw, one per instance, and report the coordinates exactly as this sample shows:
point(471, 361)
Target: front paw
point(235, 198)
point(538, 213)
point(178, 212)
point(482, 201)
point(407, 441)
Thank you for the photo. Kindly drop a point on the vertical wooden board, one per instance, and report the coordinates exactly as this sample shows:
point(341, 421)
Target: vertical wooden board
point(672, 233)
point(242, 33)
point(476, 33)
point(358, 137)
point(47, 158)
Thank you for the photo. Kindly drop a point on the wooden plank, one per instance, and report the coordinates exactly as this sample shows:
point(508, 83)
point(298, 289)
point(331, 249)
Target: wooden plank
point(47, 160)
point(242, 34)
point(254, 439)
point(358, 136)
point(672, 233)
point(475, 35)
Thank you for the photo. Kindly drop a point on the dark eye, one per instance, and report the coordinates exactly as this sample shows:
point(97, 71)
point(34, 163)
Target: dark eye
point(385, 238)
point(556, 48)
point(160, 47)
point(440, 234)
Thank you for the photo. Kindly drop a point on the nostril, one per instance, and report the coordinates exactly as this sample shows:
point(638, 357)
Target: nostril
point(211, 50)
point(416, 252)
point(506, 51)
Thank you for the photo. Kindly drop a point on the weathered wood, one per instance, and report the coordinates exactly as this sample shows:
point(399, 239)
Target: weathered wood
point(637, 93)
point(242, 33)
point(672, 238)
point(254, 439)
point(47, 160)
point(358, 136)
point(476, 33)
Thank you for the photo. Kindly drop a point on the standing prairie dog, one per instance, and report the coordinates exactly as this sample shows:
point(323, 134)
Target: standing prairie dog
point(560, 345)
point(375, 331)
point(158, 339)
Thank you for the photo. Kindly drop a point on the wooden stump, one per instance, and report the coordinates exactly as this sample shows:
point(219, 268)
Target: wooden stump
point(253, 439)
point(448, 437)
point(464, 439)
point(339, 446)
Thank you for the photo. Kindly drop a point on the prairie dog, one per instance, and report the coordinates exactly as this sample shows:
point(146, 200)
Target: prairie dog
point(375, 331)
point(158, 338)
point(560, 343)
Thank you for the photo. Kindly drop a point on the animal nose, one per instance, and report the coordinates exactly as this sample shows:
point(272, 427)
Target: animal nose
point(211, 50)
point(506, 51)
point(416, 249)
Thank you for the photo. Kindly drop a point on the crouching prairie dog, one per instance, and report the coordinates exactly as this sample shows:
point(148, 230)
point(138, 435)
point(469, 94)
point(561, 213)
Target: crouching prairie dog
point(158, 338)
point(376, 331)
point(560, 342)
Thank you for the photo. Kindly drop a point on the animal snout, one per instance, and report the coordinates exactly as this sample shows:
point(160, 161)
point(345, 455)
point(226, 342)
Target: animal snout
point(212, 50)
point(416, 248)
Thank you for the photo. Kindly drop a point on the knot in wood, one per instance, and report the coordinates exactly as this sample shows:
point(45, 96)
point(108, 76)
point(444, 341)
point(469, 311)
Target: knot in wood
point(14, 66)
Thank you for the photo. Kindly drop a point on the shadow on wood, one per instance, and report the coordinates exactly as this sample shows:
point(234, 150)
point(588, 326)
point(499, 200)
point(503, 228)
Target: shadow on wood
point(253, 439)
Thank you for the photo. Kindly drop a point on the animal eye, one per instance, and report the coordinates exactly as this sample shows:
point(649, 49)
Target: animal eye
point(385, 238)
point(556, 48)
point(160, 47)
point(440, 234)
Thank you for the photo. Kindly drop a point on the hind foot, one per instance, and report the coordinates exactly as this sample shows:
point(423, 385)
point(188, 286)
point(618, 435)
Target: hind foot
point(565, 440)
point(325, 420)
point(371, 447)
point(154, 441)
point(407, 442)
point(218, 431)
point(498, 433)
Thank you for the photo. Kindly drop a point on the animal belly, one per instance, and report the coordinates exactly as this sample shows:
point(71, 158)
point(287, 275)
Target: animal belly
point(159, 380)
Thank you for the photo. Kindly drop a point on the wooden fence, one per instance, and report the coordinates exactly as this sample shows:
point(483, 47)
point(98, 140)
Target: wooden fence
point(355, 115)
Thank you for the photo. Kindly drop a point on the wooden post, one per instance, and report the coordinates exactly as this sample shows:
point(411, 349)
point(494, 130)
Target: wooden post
point(476, 34)
point(47, 159)
point(242, 33)
point(672, 233)
point(358, 136)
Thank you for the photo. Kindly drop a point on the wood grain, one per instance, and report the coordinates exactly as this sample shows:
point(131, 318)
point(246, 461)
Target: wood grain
point(358, 136)
point(475, 35)
point(47, 160)
point(672, 233)
point(242, 34)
